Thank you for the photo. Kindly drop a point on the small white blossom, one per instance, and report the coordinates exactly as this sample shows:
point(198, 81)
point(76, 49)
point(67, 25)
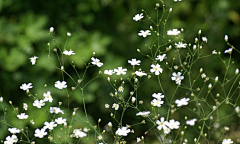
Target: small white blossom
point(69, 34)
point(226, 38)
point(110, 124)
point(199, 32)
point(227, 141)
point(51, 29)
point(204, 39)
point(228, 50)
point(96, 62)
point(123, 131)
point(158, 96)
point(60, 85)
point(22, 116)
point(107, 105)
point(191, 122)
point(1, 99)
point(180, 45)
point(170, 10)
point(38, 103)
point(47, 97)
point(40, 133)
point(138, 17)
point(140, 73)
point(68, 53)
point(173, 32)
point(143, 114)
point(25, 106)
point(214, 52)
point(115, 106)
point(156, 69)
point(120, 71)
point(33, 59)
point(134, 62)
point(56, 110)
point(61, 120)
point(237, 109)
point(177, 77)
point(236, 71)
point(26, 87)
point(172, 124)
point(49, 125)
point(120, 89)
point(156, 102)
point(11, 139)
point(109, 72)
point(162, 124)
point(133, 99)
point(13, 130)
point(161, 57)
point(144, 33)
point(182, 102)
point(79, 134)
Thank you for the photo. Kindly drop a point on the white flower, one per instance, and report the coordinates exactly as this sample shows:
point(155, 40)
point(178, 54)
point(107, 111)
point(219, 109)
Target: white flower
point(69, 34)
point(96, 62)
point(133, 99)
point(237, 109)
point(191, 122)
point(144, 33)
point(162, 124)
point(47, 97)
point(106, 105)
point(26, 87)
point(236, 71)
point(1, 99)
point(61, 120)
point(172, 124)
point(99, 137)
point(143, 114)
point(22, 116)
point(13, 130)
point(138, 140)
point(138, 17)
point(51, 29)
point(173, 32)
point(25, 106)
point(33, 60)
point(38, 103)
point(177, 77)
point(204, 39)
point(180, 45)
point(156, 69)
point(115, 106)
point(79, 134)
point(182, 102)
point(167, 130)
point(11, 139)
point(40, 133)
point(123, 131)
point(140, 73)
point(227, 141)
point(161, 57)
point(110, 124)
point(228, 50)
point(60, 85)
point(120, 89)
point(120, 71)
point(158, 96)
point(156, 102)
point(214, 52)
point(109, 72)
point(68, 53)
point(134, 62)
point(49, 125)
point(203, 75)
point(55, 110)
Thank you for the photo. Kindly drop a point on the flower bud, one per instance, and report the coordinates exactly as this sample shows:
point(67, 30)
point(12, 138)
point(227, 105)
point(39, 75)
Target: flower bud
point(69, 34)
point(151, 28)
point(226, 38)
point(236, 71)
point(170, 10)
point(133, 99)
point(1, 99)
point(216, 78)
point(51, 29)
point(201, 70)
point(210, 86)
point(199, 32)
point(74, 113)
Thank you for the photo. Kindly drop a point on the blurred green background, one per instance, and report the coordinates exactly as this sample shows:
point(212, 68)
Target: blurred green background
point(107, 28)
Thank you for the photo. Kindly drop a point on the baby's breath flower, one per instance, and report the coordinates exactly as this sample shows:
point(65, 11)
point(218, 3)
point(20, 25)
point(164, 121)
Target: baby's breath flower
point(47, 97)
point(69, 34)
point(138, 17)
point(226, 38)
point(144, 33)
point(60, 85)
point(143, 114)
point(140, 73)
point(133, 99)
point(134, 62)
point(181, 45)
point(173, 32)
point(1, 99)
point(51, 29)
point(22, 116)
point(96, 62)
point(13, 130)
point(25, 106)
point(33, 59)
point(228, 51)
point(199, 32)
point(26, 87)
point(106, 105)
point(204, 39)
point(236, 71)
point(122, 131)
point(115, 106)
point(120, 71)
point(110, 124)
point(182, 102)
point(227, 141)
point(214, 52)
point(170, 10)
point(38, 103)
point(156, 69)
point(161, 57)
point(79, 134)
point(68, 53)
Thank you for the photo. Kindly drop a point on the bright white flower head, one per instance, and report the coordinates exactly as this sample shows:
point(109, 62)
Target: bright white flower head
point(110, 124)
point(138, 17)
point(181, 45)
point(204, 39)
point(40, 133)
point(33, 59)
point(227, 141)
point(13, 130)
point(156, 69)
point(173, 32)
point(61, 120)
point(167, 130)
point(22, 116)
point(107, 105)
point(47, 97)
point(51, 29)
point(115, 106)
point(109, 72)
point(134, 62)
point(214, 52)
point(161, 57)
point(143, 114)
point(133, 99)
point(158, 96)
point(96, 62)
point(1, 99)
point(123, 131)
point(56, 110)
point(79, 134)
point(120, 89)
point(138, 140)
point(68, 53)
point(144, 33)
point(191, 122)
point(182, 102)
point(156, 102)
point(120, 71)
point(228, 51)
point(172, 124)
point(69, 34)
point(38, 103)
point(237, 109)
point(177, 77)
point(60, 85)
point(49, 125)
point(25, 106)
point(162, 124)
point(140, 73)
point(11, 139)
point(26, 87)
point(236, 71)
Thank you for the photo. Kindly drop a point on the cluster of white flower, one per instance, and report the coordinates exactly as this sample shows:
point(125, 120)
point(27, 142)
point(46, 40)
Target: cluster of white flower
point(167, 126)
point(158, 99)
point(122, 131)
